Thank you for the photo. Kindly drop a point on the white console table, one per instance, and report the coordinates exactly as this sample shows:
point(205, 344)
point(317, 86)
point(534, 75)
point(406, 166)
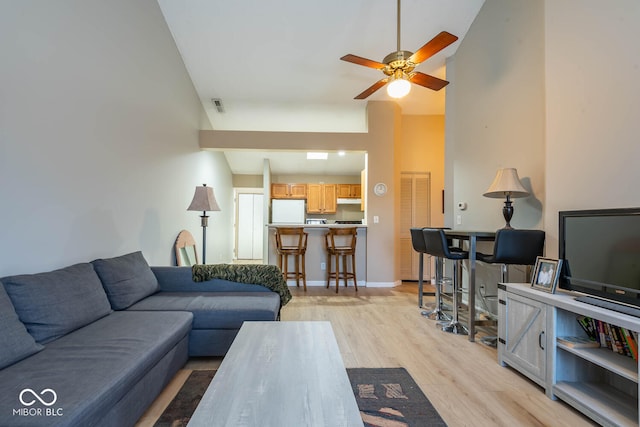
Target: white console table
point(596, 381)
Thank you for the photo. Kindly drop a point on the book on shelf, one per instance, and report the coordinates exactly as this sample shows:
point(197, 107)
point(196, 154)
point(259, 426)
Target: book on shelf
point(605, 338)
point(616, 344)
point(589, 327)
point(602, 334)
point(578, 342)
point(631, 343)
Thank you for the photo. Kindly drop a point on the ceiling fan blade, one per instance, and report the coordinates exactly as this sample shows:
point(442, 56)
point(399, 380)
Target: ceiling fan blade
point(432, 47)
point(363, 61)
point(374, 87)
point(428, 81)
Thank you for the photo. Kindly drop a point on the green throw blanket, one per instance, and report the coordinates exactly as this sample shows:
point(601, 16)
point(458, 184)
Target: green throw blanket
point(268, 276)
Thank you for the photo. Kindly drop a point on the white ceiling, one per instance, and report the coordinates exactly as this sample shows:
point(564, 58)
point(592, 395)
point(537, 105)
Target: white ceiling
point(294, 163)
point(275, 64)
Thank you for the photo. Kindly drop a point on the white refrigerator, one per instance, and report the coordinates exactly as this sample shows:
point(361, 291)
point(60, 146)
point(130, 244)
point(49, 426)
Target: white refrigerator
point(287, 211)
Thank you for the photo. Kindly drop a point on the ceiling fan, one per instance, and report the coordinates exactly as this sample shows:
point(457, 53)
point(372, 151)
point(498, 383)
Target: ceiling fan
point(398, 66)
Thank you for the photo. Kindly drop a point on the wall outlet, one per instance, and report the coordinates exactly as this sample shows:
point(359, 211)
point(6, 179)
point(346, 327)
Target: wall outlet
point(323, 266)
point(458, 219)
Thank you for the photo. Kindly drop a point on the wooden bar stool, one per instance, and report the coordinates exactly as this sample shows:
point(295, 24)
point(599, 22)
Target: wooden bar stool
point(292, 241)
point(341, 243)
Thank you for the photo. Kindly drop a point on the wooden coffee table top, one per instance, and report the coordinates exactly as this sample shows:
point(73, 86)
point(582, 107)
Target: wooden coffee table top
point(280, 374)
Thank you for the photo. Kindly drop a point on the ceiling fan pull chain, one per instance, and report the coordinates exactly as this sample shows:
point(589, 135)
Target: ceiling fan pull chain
point(398, 26)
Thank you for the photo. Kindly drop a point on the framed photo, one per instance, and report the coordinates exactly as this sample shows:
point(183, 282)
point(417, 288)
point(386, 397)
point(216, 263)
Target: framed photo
point(545, 274)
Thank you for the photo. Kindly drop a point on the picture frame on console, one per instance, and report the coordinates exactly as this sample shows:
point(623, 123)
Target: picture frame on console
point(545, 274)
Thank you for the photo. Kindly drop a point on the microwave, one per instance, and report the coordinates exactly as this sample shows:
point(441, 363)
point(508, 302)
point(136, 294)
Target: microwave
point(316, 221)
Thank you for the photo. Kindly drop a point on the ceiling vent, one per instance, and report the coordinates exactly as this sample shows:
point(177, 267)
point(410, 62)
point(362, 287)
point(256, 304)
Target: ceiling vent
point(217, 102)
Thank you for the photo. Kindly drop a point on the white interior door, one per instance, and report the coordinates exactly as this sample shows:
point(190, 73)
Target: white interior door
point(249, 226)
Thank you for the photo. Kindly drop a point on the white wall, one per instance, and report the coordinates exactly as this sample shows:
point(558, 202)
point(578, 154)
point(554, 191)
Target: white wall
point(593, 107)
point(553, 89)
point(495, 115)
point(99, 125)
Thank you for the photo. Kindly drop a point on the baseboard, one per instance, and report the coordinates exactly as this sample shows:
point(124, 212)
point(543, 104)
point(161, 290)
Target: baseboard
point(361, 283)
point(383, 284)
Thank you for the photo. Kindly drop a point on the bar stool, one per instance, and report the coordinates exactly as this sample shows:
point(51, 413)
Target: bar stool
point(438, 312)
point(437, 245)
point(292, 241)
point(417, 241)
point(512, 247)
point(341, 243)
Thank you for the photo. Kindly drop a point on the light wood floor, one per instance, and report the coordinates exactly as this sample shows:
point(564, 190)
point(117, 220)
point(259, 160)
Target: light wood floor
point(382, 327)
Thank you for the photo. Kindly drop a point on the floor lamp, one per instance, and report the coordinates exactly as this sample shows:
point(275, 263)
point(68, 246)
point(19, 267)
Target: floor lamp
point(506, 184)
point(205, 201)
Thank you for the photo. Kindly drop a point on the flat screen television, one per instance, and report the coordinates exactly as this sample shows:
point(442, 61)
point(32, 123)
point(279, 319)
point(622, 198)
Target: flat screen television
point(600, 250)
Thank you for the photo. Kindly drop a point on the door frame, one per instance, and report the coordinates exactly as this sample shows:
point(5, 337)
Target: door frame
point(236, 200)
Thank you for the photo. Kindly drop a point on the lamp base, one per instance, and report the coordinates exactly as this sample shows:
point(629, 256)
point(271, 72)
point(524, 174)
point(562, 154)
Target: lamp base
point(204, 222)
point(507, 213)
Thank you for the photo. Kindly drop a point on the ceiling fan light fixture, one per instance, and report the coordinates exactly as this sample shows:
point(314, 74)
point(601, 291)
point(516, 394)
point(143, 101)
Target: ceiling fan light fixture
point(398, 88)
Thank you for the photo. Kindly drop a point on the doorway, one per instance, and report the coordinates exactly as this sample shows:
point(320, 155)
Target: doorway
point(249, 225)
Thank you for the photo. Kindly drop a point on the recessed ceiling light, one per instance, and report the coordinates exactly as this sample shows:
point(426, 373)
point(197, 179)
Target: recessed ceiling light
point(317, 156)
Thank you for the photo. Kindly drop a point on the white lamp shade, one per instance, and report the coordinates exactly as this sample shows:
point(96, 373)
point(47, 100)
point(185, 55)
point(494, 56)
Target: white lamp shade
point(398, 88)
point(506, 183)
point(204, 200)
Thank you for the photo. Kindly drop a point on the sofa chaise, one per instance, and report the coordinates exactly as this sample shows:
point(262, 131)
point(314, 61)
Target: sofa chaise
point(93, 344)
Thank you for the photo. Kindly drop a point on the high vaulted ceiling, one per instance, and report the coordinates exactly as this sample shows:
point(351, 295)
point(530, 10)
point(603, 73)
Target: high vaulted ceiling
point(275, 64)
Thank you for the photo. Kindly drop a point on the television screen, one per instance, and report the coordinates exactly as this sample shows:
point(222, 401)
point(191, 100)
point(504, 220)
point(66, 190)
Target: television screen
point(601, 253)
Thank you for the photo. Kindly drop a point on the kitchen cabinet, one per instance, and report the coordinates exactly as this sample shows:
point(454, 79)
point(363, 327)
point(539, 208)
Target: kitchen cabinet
point(349, 191)
point(321, 198)
point(288, 191)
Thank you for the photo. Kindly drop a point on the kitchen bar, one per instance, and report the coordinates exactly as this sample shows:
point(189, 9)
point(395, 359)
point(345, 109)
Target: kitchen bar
point(316, 256)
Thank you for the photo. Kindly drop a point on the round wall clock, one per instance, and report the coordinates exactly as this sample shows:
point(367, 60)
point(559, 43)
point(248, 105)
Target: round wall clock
point(380, 189)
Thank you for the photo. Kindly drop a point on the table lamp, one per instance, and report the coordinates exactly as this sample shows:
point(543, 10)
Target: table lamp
point(204, 200)
point(506, 184)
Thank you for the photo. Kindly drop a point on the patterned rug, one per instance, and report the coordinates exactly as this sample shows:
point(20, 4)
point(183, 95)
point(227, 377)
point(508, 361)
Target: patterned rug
point(179, 411)
point(387, 397)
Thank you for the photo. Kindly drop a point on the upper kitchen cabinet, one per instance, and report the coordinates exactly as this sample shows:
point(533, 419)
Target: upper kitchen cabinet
point(349, 191)
point(322, 198)
point(288, 191)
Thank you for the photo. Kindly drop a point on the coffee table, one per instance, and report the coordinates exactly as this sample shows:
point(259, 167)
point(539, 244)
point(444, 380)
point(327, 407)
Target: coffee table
point(280, 374)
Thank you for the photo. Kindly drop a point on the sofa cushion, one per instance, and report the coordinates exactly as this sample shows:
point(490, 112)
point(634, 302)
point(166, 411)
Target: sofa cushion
point(55, 303)
point(93, 368)
point(216, 310)
point(16, 341)
point(126, 279)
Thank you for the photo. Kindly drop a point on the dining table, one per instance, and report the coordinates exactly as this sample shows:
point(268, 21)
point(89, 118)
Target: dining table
point(472, 237)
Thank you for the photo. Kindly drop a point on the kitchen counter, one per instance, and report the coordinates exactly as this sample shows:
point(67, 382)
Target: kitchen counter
point(318, 225)
point(316, 256)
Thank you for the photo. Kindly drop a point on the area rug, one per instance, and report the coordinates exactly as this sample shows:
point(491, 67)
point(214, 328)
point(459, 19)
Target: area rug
point(387, 397)
point(179, 411)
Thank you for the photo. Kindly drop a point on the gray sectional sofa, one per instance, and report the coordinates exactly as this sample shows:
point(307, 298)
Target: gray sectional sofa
point(93, 344)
